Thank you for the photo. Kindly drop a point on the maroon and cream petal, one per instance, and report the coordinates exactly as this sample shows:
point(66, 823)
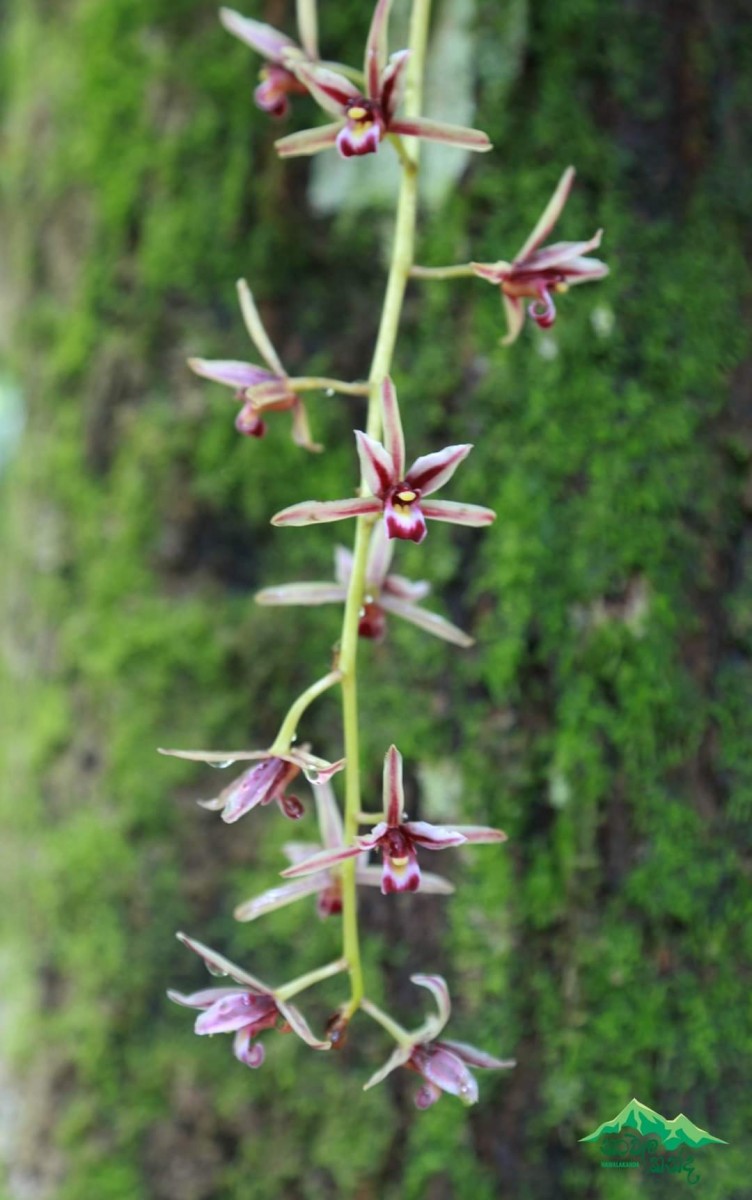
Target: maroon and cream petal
point(557, 257)
point(408, 590)
point(376, 464)
point(323, 861)
point(400, 875)
point(432, 837)
point(299, 1025)
point(394, 439)
point(431, 471)
point(481, 835)
point(494, 273)
point(393, 789)
point(550, 215)
point(438, 131)
point(238, 375)
point(404, 521)
point(220, 965)
point(437, 885)
point(586, 270)
point(333, 92)
point(306, 594)
point(393, 84)
point(375, 55)
point(264, 39)
point(317, 770)
point(308, 141)
point(429, 621)
point(312, 512)
point(359, 137)
point(250, 1054)
point(475, 1057)
point(458, 514)
point(515, 314)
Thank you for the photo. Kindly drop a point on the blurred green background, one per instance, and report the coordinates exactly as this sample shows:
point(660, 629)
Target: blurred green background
point(604, 718)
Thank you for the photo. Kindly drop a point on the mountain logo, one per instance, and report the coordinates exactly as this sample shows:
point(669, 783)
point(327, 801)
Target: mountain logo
point(678, 1132)
point(640, 1137)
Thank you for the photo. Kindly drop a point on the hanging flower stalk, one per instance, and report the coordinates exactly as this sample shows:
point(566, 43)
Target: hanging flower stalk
point(391, 503)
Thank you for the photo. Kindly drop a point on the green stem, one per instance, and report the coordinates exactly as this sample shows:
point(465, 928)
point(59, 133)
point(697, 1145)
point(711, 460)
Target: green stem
point(461, 271)
point(305, 981)
point(310, 383)
point(400, 1035)
point(289, 726)
point(399, 271)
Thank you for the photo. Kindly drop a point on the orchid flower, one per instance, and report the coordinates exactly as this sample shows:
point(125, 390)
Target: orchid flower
point(443, 1064)
point(325, 885)
point(395, 492)
point(258, 389)
point(261, 784)
point(363, 120)
point(277, 79)
point(397, 838)
point(245, 1010)
point(384, 594)
point(537, 273)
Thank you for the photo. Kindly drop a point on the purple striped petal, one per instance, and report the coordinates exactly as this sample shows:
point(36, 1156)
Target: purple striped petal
point(394, 440)
point(393, 84)
point(557, 256)
point(238, 375)
point(429, 621)
point(436, 985)
point(375, 56)
point(376, 464)
point(333, 92)
point(279, 897)
point(431, 471)
point(393, 790)
point(432, 837)
point(550, 214)
point(475, 1057)
point(264, 39)
point(323, 861)
point(219, 965)
point(312, 512)
point(302, 593)
point(481, 835)
point(231, 1013)
point(250, 1054)
point(206, 997)
point(515, 314)
point(447, 1071)
point(437, 131)
point(458, 514)
point(299, 1025)
point(308, 141)
point(398, 1058)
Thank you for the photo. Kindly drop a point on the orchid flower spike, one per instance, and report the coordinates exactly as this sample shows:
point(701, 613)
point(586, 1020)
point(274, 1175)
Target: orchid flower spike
point(539, 273)
point(363, 120)
point(266, 781)
point(397, 838)
point(443, 1064)
point(325, 885)
point(396, 493)
point(258, 389)
point(384, 593)
point(245, 1010)
point(278, 81)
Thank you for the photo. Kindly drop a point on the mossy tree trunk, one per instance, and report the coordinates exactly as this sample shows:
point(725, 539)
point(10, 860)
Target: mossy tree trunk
point(603, 718)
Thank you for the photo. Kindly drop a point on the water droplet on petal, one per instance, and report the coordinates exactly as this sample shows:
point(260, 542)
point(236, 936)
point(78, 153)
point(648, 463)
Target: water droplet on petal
point(330, 391)
point(221, 766)
point(312, 775)
point(216, 971)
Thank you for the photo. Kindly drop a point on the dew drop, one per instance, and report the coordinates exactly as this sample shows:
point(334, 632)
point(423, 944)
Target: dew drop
point(312, 775)
point(330, 391)
point(221, 766)
point(216, 971)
